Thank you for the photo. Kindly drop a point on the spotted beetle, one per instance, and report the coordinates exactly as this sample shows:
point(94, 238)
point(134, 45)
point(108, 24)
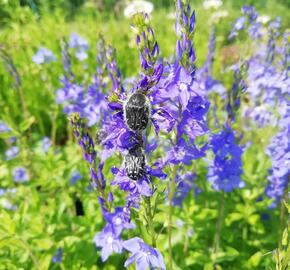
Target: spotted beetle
point(135, 163)
point(137, 111)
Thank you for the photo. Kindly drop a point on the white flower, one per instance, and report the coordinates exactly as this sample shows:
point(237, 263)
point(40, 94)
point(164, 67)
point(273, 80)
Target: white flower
point(208, 4)
point(138, 6)
point(263, 19)
point(216, 16)
point(171, 16)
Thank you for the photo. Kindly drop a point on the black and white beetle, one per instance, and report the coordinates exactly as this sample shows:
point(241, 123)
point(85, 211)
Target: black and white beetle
point(135, 163)
point(137, 111)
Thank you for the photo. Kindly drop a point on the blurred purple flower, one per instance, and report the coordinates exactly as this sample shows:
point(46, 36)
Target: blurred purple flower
point(250, 12)
point(57, 258)
point(77, 42)
point(184, 184)
point(43, 55)
point(75, 177)
point(8, 205)
point(4, 191)
point(239, 25)
point(279, 151)
point(4, 127)
point(12, 152)
point(46, 144)
point(184, 152)
point(20, 175)
point(80, 45)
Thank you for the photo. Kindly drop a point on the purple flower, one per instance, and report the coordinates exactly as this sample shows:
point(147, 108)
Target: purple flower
point(75, 177)
point(185, 184)
point(96, 107)
point(250, 12)
point(57, 258)
point(255, 30)
point(108, 242)
point(4, 191)
point(279, 151)
point(12, 153)
point(43, 55)
point(77, 42)
point(139, 187)
point(86, 143)
point(46, 144)
point(162, 120)
point(193, 120)
point(8, 205)
point(119, 220)
point(239, 25)
point(143, 255)
point(118, 136)
point(4, 127)
point(80, 45)
point(20, 175)
point(84, 139)
point(184, 152)
point(177, 84)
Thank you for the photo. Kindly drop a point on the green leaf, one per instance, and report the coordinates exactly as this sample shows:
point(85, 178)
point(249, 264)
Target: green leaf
point(26, 124)
point(285, 237)
point(255, 259)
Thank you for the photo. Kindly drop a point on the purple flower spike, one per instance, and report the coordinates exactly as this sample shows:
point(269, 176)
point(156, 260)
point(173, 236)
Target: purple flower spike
point(225, 171)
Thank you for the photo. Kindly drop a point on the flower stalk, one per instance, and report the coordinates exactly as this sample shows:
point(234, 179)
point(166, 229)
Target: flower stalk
point(216, 244)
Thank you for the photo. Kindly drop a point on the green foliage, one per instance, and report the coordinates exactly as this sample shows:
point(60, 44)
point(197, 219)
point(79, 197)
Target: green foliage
point(45, 218)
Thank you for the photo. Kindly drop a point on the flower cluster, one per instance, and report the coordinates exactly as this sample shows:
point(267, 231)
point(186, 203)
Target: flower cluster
point(75, 97)
point(80, 45)
point(226, 170)
point(268, 80)
point(249, 21)
point(279, 151)
point(184, 27)
point(88, 147)
point(123, 130)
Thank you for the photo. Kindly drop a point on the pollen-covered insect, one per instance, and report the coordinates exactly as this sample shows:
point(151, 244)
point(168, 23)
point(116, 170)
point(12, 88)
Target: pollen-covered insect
point(135, 163)
point(137, 111)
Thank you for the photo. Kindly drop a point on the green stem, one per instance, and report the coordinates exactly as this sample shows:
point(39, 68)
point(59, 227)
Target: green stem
point(28, 248)
point(150, 223)
point(53, 125)
point(171, 188)
point(282, 218)
point(219, 226)
point(22, 102)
